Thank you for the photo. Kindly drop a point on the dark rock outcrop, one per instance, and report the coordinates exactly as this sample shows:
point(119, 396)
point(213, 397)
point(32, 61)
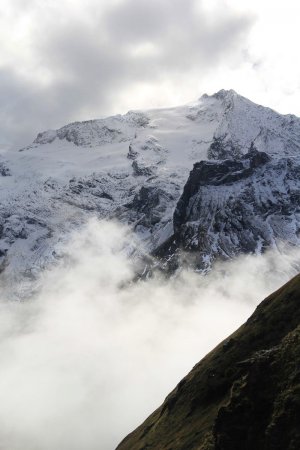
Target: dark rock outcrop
point(221, 148)
point(238, 206)
point(4, 171)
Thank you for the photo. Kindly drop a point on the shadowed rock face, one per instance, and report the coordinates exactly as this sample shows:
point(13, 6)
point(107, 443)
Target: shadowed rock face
point(245, 394)
point(208, 173)
point(238, 206)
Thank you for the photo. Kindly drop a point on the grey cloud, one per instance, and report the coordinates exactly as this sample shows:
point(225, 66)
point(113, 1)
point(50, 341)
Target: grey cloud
point(146, 20)
point(90, 59)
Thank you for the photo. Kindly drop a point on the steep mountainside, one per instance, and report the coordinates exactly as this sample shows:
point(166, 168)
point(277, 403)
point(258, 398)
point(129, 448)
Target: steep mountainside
point(245, 394)
point(237, 206)
point(135, 168)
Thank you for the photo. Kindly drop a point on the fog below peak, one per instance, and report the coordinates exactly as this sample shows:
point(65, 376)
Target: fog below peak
point(86, 359)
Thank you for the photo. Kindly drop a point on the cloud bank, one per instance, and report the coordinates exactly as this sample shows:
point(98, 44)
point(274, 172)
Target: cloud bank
point(92, 354)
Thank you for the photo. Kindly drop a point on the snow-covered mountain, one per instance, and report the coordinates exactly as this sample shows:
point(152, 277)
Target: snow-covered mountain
point(136, 168)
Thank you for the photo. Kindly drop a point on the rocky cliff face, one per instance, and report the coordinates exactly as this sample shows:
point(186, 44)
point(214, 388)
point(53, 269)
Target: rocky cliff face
point(235, 206)
point(245, 394)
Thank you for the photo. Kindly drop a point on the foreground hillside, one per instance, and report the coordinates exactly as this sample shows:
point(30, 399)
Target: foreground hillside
point(245, 394)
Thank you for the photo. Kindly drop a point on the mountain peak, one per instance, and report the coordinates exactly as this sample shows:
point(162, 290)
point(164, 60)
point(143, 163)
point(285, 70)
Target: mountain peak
point(222, 94)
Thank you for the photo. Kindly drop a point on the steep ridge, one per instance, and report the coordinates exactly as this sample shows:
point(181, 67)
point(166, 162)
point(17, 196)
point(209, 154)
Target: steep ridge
point(245, 394)
point(133, 168)
point(236, 206)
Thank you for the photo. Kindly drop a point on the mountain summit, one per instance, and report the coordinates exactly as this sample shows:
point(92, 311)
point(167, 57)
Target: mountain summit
point(216, 177)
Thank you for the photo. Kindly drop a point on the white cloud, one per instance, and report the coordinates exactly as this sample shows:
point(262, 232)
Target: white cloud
point(92, 355)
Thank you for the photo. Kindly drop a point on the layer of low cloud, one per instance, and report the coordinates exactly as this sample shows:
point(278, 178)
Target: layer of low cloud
point(63, 61)
point(87, 359)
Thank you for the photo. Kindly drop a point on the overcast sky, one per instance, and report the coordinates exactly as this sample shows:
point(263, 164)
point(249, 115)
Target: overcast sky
point(66, 60)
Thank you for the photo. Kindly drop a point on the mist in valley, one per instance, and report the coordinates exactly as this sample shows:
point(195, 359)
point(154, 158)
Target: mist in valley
point(91, 354)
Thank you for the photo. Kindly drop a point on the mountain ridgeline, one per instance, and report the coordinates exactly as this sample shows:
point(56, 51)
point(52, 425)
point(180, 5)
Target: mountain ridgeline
point(211, 179)
point(244, 395)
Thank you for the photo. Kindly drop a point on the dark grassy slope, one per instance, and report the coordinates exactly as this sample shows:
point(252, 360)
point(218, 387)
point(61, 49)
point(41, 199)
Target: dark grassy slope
point(244, 395)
